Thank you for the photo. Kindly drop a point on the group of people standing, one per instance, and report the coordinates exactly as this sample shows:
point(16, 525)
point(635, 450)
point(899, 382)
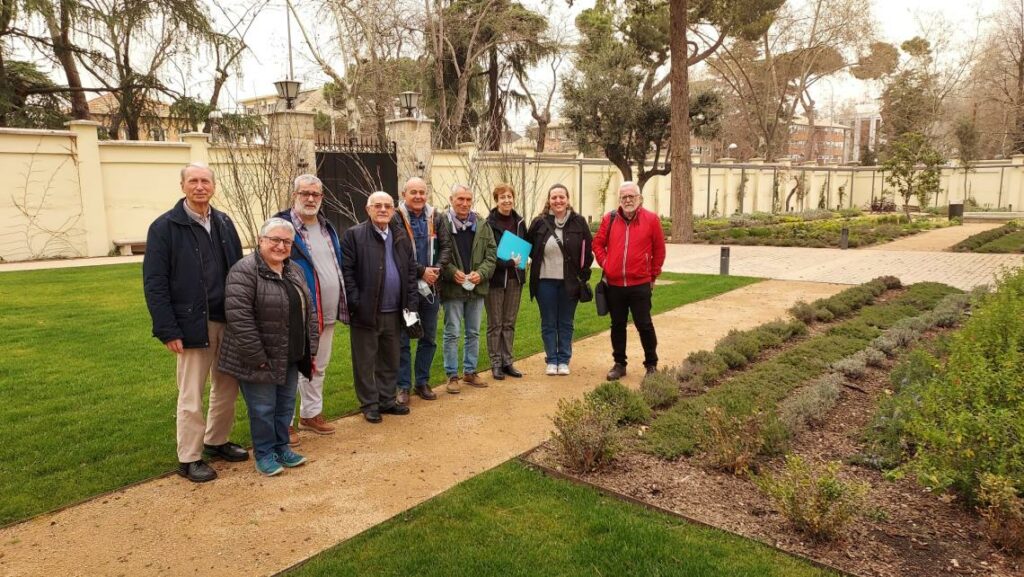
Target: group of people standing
point(263, 324)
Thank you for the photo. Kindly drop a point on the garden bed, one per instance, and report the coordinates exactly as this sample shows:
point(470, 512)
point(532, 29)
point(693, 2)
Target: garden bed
point(863, 231)
point(1008, 238)
point(901, 530)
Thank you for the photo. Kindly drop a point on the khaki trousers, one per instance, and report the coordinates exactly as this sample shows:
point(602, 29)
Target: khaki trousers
point(194, 366)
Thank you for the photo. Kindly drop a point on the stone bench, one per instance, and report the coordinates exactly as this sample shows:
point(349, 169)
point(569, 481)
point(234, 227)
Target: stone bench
point(130, 247)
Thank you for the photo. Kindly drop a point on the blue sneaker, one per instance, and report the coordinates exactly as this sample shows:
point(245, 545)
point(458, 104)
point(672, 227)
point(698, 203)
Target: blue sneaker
point(269, 466)
point(290, 458)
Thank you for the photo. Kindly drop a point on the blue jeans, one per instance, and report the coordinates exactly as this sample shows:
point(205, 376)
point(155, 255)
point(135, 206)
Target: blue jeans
point(455, 312)
point(271, 408)
point(557, 313)
point(426, 346)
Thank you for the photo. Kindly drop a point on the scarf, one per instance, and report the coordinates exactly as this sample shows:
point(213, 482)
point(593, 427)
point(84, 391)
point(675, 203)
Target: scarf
point(460, 225)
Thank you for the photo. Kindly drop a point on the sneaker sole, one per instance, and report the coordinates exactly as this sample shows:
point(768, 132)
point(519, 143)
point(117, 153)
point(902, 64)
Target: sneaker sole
point(315, 430)
point(293, 465)
point(272, 473)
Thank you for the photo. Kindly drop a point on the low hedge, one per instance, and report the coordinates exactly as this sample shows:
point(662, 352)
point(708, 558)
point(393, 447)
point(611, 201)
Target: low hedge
point(977, 242)
point(681, 429)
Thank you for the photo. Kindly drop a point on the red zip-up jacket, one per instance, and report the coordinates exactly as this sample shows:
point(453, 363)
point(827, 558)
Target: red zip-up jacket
point(632, 252)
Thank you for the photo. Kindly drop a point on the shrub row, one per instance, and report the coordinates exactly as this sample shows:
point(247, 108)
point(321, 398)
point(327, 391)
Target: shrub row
point(819, 234)
point(750, 398)
point(814, 497)
point(975, 242)
point(843, 303)
point(735, 350)
point(962, 421)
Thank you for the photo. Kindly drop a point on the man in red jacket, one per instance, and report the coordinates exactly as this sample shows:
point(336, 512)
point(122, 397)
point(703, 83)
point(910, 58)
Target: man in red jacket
point(630, 247)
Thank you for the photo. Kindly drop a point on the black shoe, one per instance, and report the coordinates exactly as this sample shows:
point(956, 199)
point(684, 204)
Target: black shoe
point(497, 373)
point(618, 371)
point(197, 472)
point(650, 370)
point(395, 410)
point(423, 391)
point(372, 415)
point(512, 371)
point(228, 451)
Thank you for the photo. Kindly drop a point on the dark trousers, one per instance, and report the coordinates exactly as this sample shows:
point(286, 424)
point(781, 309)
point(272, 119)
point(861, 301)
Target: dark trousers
point(375, 361)
point(426, 346)
point(635, 300)
point(502, 306)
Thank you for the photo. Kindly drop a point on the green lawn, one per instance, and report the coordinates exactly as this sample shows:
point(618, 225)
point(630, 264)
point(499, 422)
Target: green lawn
point(512, 521)
point(87, 396)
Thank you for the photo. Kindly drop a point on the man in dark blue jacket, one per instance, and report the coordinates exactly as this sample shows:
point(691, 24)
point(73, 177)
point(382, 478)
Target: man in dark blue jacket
point(189, 250)
point(317, 252)
point(380, 284)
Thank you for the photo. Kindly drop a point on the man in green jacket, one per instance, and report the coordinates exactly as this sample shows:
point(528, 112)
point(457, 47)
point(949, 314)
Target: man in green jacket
point(464, 286)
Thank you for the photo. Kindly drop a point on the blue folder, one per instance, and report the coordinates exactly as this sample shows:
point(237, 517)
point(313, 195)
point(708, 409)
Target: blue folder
point(511, 244)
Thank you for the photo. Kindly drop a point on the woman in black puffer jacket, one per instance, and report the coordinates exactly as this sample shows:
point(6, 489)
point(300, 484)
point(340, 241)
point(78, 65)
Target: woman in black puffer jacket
point(271, 336)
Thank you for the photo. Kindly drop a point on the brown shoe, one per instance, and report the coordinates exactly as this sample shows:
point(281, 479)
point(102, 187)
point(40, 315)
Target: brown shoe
point(316, 424)
point(423, 391)
point(453, 387)
point(473, 380)
point(402, 397)
point(293, 437)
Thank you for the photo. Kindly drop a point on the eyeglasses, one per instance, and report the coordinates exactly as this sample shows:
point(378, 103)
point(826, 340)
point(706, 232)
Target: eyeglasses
point(382, 206)
point(286, 242)
point(313, 195)
point(629, 197)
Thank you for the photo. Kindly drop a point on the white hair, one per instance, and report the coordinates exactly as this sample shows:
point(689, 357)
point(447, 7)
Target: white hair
point(457, 187)
point(306, 179)
point(202, 165)
point(630, 184)
point(378, 194)
point(277, 222)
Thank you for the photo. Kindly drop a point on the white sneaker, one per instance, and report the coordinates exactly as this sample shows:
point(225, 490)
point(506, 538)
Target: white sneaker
point(551, 370)
point(563, 370)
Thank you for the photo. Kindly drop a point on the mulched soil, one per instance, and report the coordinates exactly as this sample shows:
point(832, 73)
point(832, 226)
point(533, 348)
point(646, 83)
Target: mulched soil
point(906, 531)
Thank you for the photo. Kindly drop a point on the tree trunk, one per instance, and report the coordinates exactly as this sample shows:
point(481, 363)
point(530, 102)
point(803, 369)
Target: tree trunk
point(681, 205)
point(60, 33)
point(810, 149)
point(542, 134)
point(494, 124)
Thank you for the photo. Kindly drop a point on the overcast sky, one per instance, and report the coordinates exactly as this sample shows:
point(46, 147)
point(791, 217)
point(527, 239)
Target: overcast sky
point(898, 20)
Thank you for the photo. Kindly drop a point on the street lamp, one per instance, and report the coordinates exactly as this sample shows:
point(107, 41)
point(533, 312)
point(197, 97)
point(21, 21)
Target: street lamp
point(289, 90)
point(409, 100)
point(212, 119)
point(732, 149)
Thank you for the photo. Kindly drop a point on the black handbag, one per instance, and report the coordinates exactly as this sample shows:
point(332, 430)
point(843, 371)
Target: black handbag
point(586, 293)
point(601, 297)
point(601, 291)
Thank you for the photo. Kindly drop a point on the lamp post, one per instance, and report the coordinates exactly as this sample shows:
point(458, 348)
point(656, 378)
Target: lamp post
point(732, 149)
point(212, 119)
point(288, 88)
point(408, 100)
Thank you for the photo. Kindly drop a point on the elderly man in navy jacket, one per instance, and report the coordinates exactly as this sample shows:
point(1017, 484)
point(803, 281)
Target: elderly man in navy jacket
point(189, 250)
point(380, 284)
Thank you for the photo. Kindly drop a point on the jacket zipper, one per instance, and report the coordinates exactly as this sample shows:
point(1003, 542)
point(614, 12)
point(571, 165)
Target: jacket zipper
point(625, 254)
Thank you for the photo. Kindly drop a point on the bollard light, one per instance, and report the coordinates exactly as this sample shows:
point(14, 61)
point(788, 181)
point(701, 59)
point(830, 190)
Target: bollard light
point(844, 238)
point(723, 265)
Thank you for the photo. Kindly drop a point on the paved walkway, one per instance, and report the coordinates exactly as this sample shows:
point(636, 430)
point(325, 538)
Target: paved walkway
point(962, 270)
point(243, 524)
point(937, 240)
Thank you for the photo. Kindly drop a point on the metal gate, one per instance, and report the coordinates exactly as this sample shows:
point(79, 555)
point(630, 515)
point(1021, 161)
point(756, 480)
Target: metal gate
point(351, 171)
